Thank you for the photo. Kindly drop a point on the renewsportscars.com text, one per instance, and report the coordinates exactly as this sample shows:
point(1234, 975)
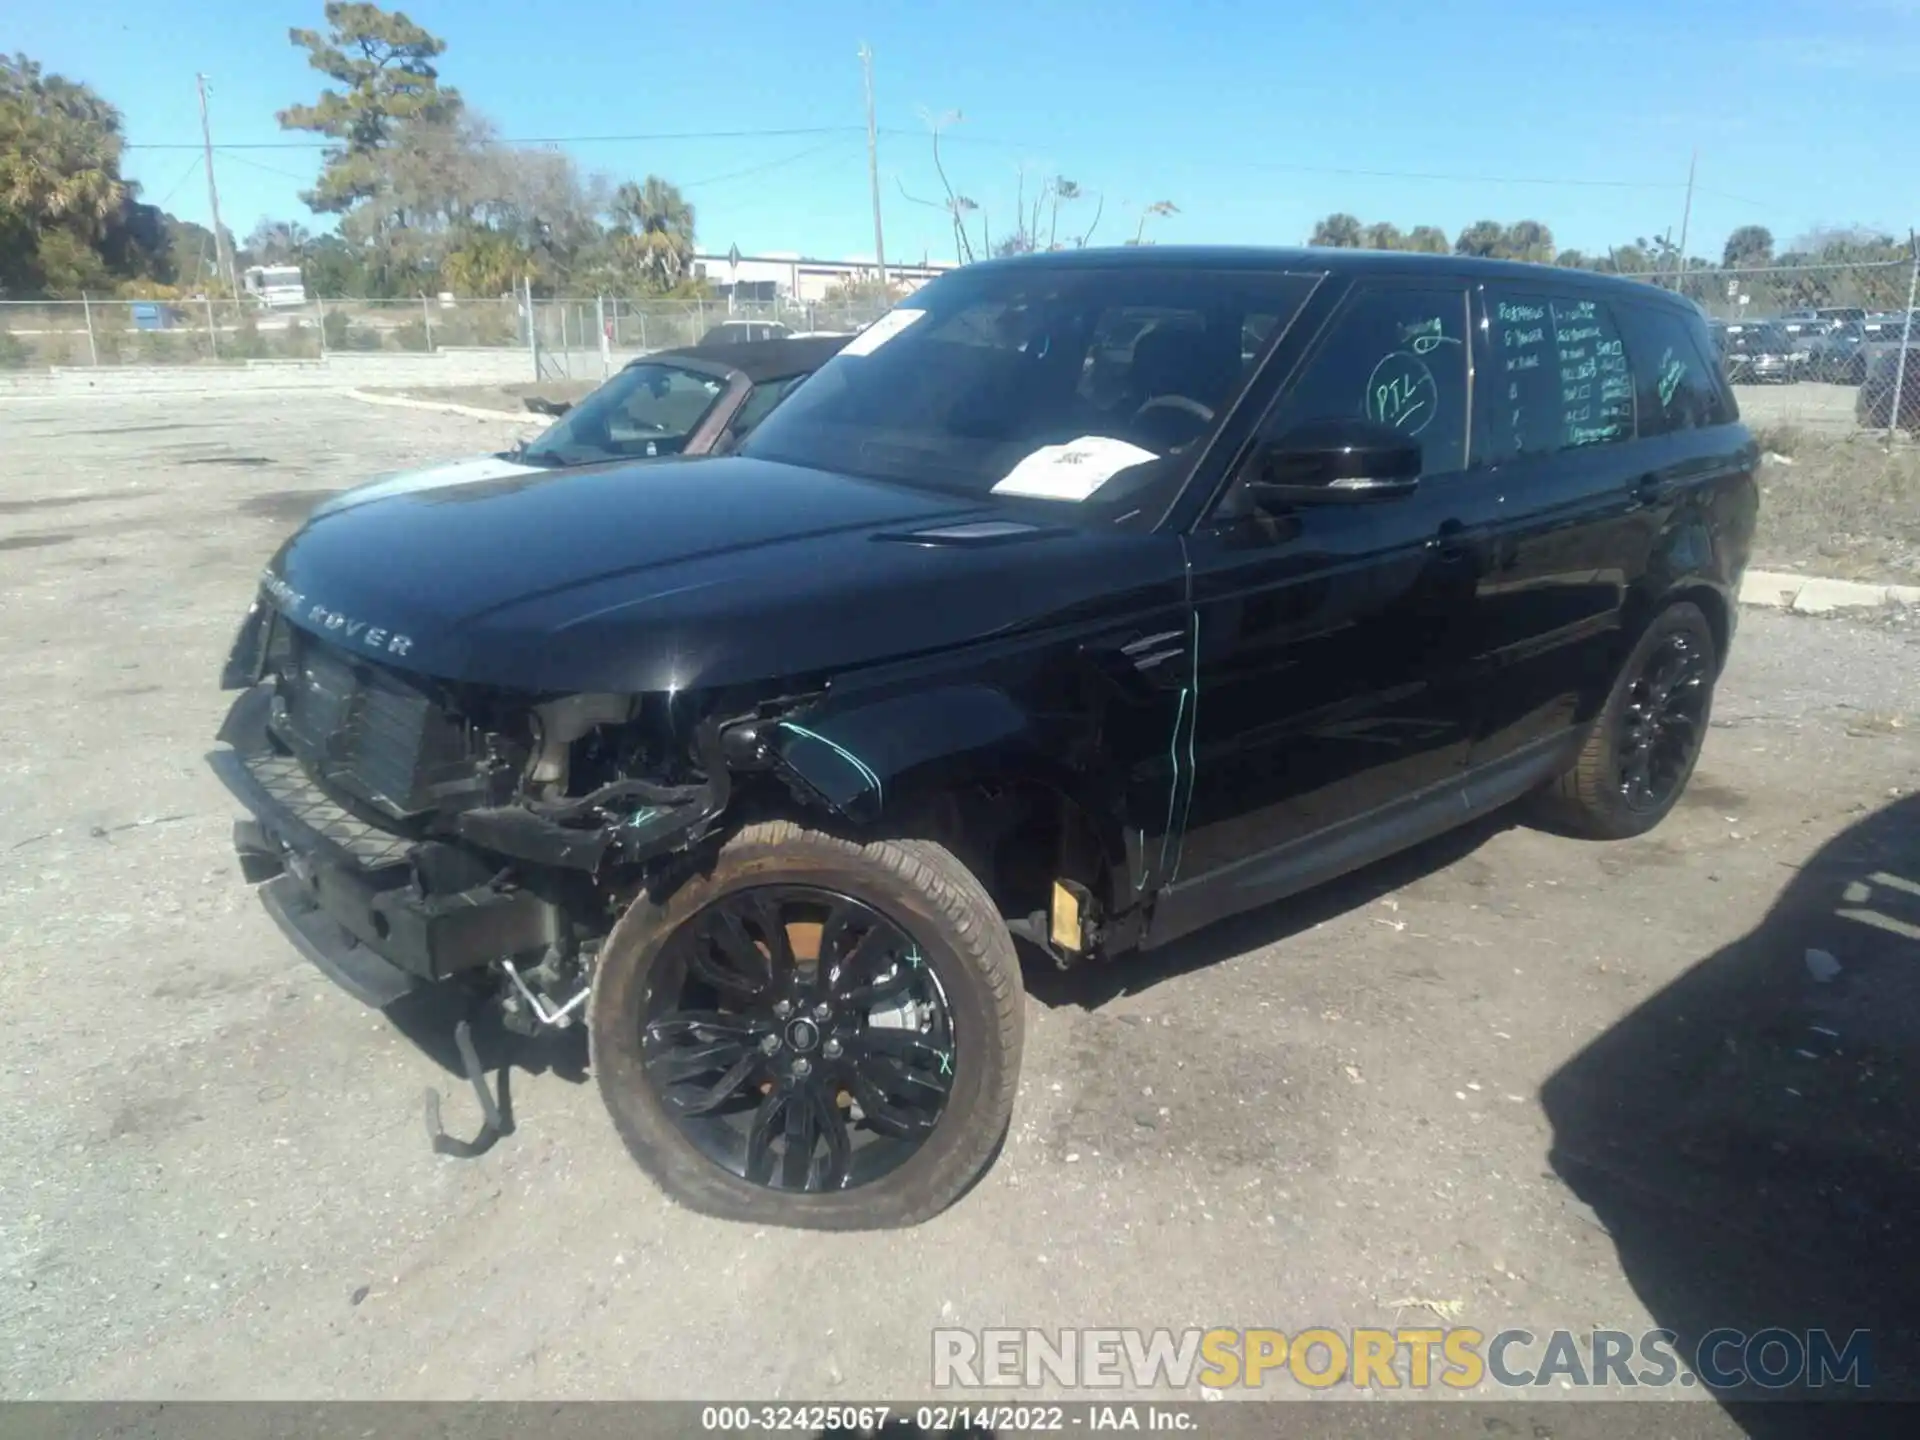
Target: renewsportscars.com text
point(1458, 1358)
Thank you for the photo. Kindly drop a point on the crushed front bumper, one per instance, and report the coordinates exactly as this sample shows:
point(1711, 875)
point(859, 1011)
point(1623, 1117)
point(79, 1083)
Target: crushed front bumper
point(380, 914)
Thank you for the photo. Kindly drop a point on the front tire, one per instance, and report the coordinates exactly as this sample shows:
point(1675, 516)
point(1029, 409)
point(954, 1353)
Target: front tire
point(1638, 758)
point(815, 1032)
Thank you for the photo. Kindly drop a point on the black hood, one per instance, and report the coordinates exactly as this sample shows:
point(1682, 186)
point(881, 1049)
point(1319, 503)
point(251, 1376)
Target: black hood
point(681, 575)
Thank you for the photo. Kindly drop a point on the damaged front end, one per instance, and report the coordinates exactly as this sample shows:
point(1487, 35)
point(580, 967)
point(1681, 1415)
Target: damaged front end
point(406, 831)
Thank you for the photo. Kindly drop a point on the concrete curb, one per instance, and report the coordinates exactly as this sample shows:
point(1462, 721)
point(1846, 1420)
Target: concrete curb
point(1818, 595)
point(447, 407)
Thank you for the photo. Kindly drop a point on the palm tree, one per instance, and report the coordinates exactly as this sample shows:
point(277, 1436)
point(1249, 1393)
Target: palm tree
point(59, 150)
point(653, 231)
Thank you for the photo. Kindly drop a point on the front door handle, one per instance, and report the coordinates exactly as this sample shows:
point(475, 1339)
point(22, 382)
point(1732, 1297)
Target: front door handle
point(1455, 543)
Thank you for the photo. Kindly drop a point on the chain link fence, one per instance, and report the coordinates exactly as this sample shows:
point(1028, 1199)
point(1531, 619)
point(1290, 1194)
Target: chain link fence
point(577, 339)
point(1825, 348)
point(1819, 347)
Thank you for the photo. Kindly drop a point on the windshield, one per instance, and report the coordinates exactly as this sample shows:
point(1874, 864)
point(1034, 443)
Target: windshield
point(646, 410)
point(1068, 375)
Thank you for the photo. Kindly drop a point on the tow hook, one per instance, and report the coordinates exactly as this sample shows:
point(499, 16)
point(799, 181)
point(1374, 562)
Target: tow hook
point(498, 1116)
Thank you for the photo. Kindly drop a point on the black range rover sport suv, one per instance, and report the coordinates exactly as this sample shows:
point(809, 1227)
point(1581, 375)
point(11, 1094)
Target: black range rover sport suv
point(1080, 601)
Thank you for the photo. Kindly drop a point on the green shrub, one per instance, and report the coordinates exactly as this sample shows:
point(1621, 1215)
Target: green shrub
point(491, 326)
point(57, 348)
point(334, 326)
point(245, 342)
point(109, 341)
point(13, 352)
point(411, 336)
point(298, 341)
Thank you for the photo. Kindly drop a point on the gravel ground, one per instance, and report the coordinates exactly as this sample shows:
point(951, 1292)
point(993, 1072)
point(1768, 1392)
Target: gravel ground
point(505, 398)
point(1486, 1074)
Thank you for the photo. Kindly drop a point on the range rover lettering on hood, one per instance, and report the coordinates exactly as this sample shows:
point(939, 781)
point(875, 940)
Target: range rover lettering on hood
point(362, 633)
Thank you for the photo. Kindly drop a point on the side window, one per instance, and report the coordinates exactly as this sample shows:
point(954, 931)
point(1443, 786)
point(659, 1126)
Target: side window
point(1672, 381)
point(760, 403)
point(1397, 357)
point(1557, 376)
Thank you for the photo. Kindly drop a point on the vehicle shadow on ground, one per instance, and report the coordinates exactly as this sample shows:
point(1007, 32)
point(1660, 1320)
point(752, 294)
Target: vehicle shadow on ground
point(428, 1017)
point(1750, 1135)
point(1091, 986)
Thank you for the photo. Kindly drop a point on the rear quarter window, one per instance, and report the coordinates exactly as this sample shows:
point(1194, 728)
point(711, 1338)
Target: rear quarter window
point(1677, 386)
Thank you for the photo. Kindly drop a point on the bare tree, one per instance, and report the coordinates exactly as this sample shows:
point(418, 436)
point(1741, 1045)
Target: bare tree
point(958, 206)
point(1157, 208)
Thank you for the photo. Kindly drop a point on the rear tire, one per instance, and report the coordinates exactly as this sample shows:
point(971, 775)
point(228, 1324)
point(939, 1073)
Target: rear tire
point(1642, 749)
point(954, 945)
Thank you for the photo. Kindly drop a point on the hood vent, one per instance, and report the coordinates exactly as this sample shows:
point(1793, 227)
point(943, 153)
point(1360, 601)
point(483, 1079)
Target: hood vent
point(973, 532)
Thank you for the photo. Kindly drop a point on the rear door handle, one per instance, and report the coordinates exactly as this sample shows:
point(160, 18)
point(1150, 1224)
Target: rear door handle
point(1652, 490)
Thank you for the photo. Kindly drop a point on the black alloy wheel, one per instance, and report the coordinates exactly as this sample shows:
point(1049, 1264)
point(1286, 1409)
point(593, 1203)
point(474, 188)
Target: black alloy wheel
point(1636, 758)
point(1662, 722)
point(798, 1038)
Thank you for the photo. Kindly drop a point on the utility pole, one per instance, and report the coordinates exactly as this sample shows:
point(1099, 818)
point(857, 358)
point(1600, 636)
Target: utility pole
point(1686, 214)
point(873, 165)
point(224, 256)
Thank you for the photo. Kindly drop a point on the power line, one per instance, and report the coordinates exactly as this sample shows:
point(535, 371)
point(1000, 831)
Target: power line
point(256, 165)
point(1467, 179)
point(540, 139)
point(764, 166)
point(174, 189)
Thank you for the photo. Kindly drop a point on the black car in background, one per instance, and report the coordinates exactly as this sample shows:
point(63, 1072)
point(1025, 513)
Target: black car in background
point(1885, 377)
point(757, 765)
point(1836, 353)
point(1757, 352)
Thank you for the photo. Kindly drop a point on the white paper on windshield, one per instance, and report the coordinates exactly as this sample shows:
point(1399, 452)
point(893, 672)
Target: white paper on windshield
point(1072, 471)
point(881, 331)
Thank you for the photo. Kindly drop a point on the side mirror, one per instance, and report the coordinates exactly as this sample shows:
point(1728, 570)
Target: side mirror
point(1334, 462)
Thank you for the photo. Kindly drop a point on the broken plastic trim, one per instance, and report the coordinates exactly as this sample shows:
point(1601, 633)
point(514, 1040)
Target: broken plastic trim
point(677, 818)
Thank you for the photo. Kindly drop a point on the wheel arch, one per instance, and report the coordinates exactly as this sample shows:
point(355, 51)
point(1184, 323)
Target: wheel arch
point(926, 762)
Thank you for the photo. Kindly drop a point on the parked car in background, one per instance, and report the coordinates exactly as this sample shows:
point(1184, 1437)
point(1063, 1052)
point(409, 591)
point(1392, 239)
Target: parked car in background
point(1884, 376)
point(1886, 328)
point(699, 400)
point(1758, 352)
point(1829, 314)
point(745, 332)
point(1838, 353)
point(756, 766)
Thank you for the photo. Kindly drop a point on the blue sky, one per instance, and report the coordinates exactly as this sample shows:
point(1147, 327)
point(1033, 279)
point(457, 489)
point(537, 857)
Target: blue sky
point(1253, 119)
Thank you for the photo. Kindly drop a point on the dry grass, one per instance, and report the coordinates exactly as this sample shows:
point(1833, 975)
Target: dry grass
point(1843, 505)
